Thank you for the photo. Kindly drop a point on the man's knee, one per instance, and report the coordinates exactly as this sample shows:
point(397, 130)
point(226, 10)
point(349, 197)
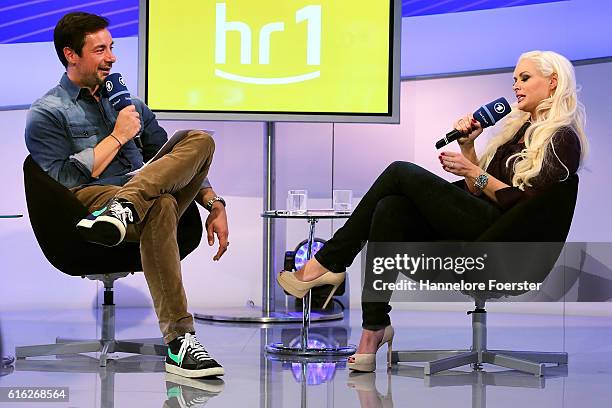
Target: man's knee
point(207, 141)
point(166, 203)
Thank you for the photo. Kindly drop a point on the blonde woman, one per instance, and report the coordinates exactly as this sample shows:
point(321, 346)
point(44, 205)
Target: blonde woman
point(542, 142)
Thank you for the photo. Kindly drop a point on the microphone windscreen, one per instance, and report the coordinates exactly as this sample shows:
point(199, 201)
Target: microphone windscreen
point(117, 92)
point(493, 112)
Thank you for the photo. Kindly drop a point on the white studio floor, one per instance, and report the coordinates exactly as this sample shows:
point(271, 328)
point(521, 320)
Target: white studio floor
point(253, 380)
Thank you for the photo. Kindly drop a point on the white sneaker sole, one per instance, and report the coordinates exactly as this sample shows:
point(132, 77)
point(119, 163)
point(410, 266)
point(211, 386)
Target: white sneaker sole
point(206, 372)
point(213, 386)
point(104, 230)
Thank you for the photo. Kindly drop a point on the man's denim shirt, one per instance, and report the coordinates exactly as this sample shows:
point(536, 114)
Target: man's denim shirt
point(64, 126)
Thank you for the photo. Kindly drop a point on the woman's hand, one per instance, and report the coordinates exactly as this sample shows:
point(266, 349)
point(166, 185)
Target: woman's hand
point(458, 164)
point(470, 128)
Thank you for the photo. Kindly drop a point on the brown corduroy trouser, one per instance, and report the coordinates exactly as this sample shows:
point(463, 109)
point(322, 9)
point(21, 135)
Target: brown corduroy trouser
point(160, 193)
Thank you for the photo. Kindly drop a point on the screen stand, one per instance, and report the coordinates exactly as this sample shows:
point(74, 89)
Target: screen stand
point(267, 313)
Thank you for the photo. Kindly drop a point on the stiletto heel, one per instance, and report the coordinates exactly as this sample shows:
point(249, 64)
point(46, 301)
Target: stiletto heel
point(298, 288)
point(330, 296)
point(389, 352)
point(366, 362)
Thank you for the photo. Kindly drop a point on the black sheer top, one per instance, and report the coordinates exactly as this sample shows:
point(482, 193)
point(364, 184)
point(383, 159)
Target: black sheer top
point(561, 160)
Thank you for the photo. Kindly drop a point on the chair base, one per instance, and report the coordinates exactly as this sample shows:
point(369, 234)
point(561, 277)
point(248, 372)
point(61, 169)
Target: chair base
point(151, 347)
point(532, 362)
point(281, 349)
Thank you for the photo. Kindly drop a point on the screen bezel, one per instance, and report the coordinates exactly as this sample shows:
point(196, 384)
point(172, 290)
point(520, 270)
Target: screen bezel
point(391, 116)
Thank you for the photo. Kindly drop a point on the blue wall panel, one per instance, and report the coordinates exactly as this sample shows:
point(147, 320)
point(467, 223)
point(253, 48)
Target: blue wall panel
point(413, 8)
point(33, 21)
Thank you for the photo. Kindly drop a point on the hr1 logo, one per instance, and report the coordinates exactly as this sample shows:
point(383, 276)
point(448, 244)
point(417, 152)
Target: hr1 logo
point(309, 14)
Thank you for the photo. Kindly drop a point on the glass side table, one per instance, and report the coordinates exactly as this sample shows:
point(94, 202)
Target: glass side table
point(6, 361)
point(312, 217)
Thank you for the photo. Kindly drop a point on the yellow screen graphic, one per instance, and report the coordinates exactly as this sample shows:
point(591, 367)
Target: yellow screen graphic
point(269, 56)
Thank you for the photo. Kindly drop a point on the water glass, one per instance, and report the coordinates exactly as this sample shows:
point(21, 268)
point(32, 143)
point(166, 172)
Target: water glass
point(342, 201)
point(297, 201)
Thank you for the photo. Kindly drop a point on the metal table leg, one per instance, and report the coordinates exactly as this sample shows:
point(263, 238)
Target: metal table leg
point(304, 349)
point(268, 312)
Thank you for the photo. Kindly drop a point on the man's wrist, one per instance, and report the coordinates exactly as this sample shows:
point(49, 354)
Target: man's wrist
point(204, 195)
point(217, 206)
point(120, 136)
point(116, 139)
point(214, 202)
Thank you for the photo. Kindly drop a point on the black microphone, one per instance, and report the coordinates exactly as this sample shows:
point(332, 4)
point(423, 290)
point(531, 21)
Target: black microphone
point(119, 97)
point(487, 115)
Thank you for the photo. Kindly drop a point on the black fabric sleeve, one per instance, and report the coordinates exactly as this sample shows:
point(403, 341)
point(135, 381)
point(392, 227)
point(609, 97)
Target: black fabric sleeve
point(561, 160)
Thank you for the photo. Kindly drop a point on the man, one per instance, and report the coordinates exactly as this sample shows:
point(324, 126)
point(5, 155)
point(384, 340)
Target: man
point(74, 134)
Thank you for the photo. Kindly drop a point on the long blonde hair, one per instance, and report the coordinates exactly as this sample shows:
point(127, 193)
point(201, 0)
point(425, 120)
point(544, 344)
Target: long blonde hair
point(562, 108)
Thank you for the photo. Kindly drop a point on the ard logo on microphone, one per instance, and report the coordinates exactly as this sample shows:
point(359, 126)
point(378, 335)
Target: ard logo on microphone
point(276, 61)
point(499, 107)
point(109, 86)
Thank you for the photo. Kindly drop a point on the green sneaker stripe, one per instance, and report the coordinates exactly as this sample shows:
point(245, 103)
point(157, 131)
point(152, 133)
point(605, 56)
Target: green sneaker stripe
point(174, 357)
point(98, 212)
point(174, 392)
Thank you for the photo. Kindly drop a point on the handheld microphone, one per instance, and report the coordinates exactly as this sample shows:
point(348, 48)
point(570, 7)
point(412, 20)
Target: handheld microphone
point(487, 115)
point(119, 96)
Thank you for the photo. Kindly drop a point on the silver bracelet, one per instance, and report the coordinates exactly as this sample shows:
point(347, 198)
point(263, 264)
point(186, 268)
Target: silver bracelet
point(481, 181)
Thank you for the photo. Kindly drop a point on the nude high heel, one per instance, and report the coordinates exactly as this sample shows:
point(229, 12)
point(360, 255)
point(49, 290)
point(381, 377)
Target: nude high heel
point(367, 362)
point(365, 385)
point(298, 288)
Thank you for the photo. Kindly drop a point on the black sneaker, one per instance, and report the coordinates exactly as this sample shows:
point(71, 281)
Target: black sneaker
point(107, 225)
point(188, 358)
point(189, 392)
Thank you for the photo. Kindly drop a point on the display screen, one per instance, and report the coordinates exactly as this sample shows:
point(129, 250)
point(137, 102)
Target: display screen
point(299, 57)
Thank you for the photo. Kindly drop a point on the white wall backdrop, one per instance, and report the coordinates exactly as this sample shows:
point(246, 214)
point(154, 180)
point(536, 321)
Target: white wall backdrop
point(307, 157)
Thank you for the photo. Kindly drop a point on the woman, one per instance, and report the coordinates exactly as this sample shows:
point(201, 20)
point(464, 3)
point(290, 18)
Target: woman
point(542, 142)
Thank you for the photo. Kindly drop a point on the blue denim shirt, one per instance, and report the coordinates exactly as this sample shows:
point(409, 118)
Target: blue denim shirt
point(64, 126)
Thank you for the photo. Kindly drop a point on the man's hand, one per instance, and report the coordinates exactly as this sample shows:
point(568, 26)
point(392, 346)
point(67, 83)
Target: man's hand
point(127, 125)
point(216, 223)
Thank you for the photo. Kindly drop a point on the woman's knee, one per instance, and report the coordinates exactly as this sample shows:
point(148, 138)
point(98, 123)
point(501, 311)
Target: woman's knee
point(401, 169)
point(395, 166)
point(401, 165)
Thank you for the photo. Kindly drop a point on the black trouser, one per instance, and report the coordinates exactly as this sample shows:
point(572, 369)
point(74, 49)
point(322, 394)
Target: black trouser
point(406, 203)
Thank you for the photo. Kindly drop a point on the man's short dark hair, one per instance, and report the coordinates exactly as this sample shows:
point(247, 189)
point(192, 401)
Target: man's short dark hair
point(71, 30)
